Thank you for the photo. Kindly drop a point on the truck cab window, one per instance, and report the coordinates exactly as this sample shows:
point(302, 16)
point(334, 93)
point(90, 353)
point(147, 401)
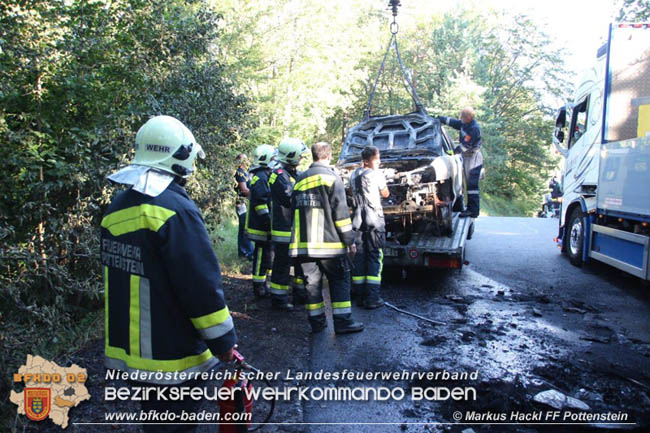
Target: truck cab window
point(579, 121)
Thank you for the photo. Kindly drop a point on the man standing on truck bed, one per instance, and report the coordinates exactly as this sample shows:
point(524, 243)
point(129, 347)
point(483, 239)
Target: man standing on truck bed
point(320, 239)
point(470, 147)
point(368, 187)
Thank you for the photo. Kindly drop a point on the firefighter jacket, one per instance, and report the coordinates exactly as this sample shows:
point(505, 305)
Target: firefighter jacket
point(321, 227)
point(258, 218)
point(165, 308)
point(281, 184)
point(470, 142)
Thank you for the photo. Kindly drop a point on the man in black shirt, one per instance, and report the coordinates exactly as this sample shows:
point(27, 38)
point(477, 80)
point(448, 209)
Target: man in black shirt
point(244, 245)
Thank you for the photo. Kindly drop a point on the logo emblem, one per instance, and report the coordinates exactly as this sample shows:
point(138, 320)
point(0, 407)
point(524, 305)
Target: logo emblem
point(37, 403)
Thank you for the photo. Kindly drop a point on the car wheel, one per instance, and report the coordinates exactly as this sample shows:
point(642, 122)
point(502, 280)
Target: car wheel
point(576, 235)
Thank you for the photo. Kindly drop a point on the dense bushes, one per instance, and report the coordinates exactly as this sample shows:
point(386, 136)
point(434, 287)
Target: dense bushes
point(76, 81)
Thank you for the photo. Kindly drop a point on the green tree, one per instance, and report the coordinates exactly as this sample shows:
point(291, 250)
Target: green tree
point(76, 81)
point(634, 11)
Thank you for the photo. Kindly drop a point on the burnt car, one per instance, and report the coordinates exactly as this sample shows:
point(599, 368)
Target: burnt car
point(424, 177)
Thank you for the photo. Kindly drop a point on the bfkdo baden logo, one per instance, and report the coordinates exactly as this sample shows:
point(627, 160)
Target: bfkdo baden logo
point(50, 390)
point(37, 403)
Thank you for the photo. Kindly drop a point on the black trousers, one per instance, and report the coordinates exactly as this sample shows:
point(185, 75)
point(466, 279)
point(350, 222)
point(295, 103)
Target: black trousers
point(262, 261)
point(337, 271)
point(281, 275)
point(244, 245)
point(368, 264)
point(473, 200)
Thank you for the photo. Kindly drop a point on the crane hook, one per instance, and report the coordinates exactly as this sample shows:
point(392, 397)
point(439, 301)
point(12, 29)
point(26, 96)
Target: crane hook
point(394, 4)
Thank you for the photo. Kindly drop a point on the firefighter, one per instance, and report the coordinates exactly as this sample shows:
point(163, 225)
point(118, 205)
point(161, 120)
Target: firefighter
point(281, 183)
point(470, 147)
point(321, 238)
point(368, 187)
point(258, 222)
point(165, 308)
point(244, 245)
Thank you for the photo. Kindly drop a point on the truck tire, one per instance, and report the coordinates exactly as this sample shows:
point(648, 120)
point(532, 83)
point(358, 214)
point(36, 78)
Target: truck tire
point(575, 237)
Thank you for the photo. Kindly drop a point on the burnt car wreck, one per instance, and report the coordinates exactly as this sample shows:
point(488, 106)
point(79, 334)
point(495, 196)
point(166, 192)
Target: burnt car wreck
point(423, 176)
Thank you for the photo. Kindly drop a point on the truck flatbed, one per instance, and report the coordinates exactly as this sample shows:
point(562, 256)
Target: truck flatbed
point(429, 250)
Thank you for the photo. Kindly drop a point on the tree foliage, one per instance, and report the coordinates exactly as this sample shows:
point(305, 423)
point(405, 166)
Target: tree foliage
point(500, 64)
point(634, 11)
point(76, 81)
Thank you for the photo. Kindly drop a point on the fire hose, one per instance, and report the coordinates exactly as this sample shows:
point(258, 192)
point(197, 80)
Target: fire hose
point(242, 402)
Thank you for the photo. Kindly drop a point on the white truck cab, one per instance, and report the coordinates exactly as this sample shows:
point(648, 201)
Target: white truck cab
point(605, 211)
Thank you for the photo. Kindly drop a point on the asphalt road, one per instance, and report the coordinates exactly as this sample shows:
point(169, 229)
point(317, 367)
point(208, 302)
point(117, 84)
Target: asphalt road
point(519, 316)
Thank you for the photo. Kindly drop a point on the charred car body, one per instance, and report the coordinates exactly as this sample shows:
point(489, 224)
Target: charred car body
point(425, 180)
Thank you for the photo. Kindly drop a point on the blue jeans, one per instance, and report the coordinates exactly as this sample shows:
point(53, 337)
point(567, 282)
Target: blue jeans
point(244, 245)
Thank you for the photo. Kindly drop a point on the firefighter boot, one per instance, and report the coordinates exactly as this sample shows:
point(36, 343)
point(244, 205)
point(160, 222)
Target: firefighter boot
point(347, 325)
point(318, 323)
point(373, 299)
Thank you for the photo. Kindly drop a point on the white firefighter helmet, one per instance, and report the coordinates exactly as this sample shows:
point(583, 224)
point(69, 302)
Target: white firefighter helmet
point(164, 143)
point(263, 156)
point(290, 150)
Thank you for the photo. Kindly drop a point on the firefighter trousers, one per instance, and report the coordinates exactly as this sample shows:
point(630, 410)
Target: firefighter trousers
point(281, 275)
point(262, 260)
point(473, 199)
point(337, 271)
point(368, 264)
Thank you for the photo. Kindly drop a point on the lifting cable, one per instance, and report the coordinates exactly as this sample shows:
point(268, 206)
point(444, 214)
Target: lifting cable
point(394, 29)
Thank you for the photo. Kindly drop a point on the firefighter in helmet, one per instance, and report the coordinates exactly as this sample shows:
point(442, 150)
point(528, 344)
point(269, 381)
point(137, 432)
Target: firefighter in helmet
point(321, 239)
point(282, 180)
point(165, 307)
point(258, 223)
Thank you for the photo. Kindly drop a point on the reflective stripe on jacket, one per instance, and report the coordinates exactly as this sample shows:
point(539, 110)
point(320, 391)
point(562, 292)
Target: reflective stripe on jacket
point(322, 226)
point(258, 219)
point(281, 184)
point(165, 309)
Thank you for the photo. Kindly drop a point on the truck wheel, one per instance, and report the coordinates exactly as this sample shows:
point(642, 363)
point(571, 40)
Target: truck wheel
point(576, 235)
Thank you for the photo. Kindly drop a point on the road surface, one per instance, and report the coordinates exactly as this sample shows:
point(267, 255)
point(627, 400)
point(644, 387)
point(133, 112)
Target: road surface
point(519, 316)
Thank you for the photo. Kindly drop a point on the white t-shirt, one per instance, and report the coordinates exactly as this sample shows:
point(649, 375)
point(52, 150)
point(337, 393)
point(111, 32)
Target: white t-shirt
point(373, 183)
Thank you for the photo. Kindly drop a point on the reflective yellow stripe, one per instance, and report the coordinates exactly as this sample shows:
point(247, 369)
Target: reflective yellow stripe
point(295, 238)
point(344, 222)
point(259, 207)
point(279, 286)
point(134, 316)
point(358, 278)
point(373, 278)
point(254, 180)
point(106, 305)
point(345, 304)
point(315, 306)
point(258, 265)
point(318, 245)
point(315, 228)
point(272, 179)
point(212, 319)
point(144, 216)
point(279, 233)
point(315, 181)
point(256, 232)
point(158, 365)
